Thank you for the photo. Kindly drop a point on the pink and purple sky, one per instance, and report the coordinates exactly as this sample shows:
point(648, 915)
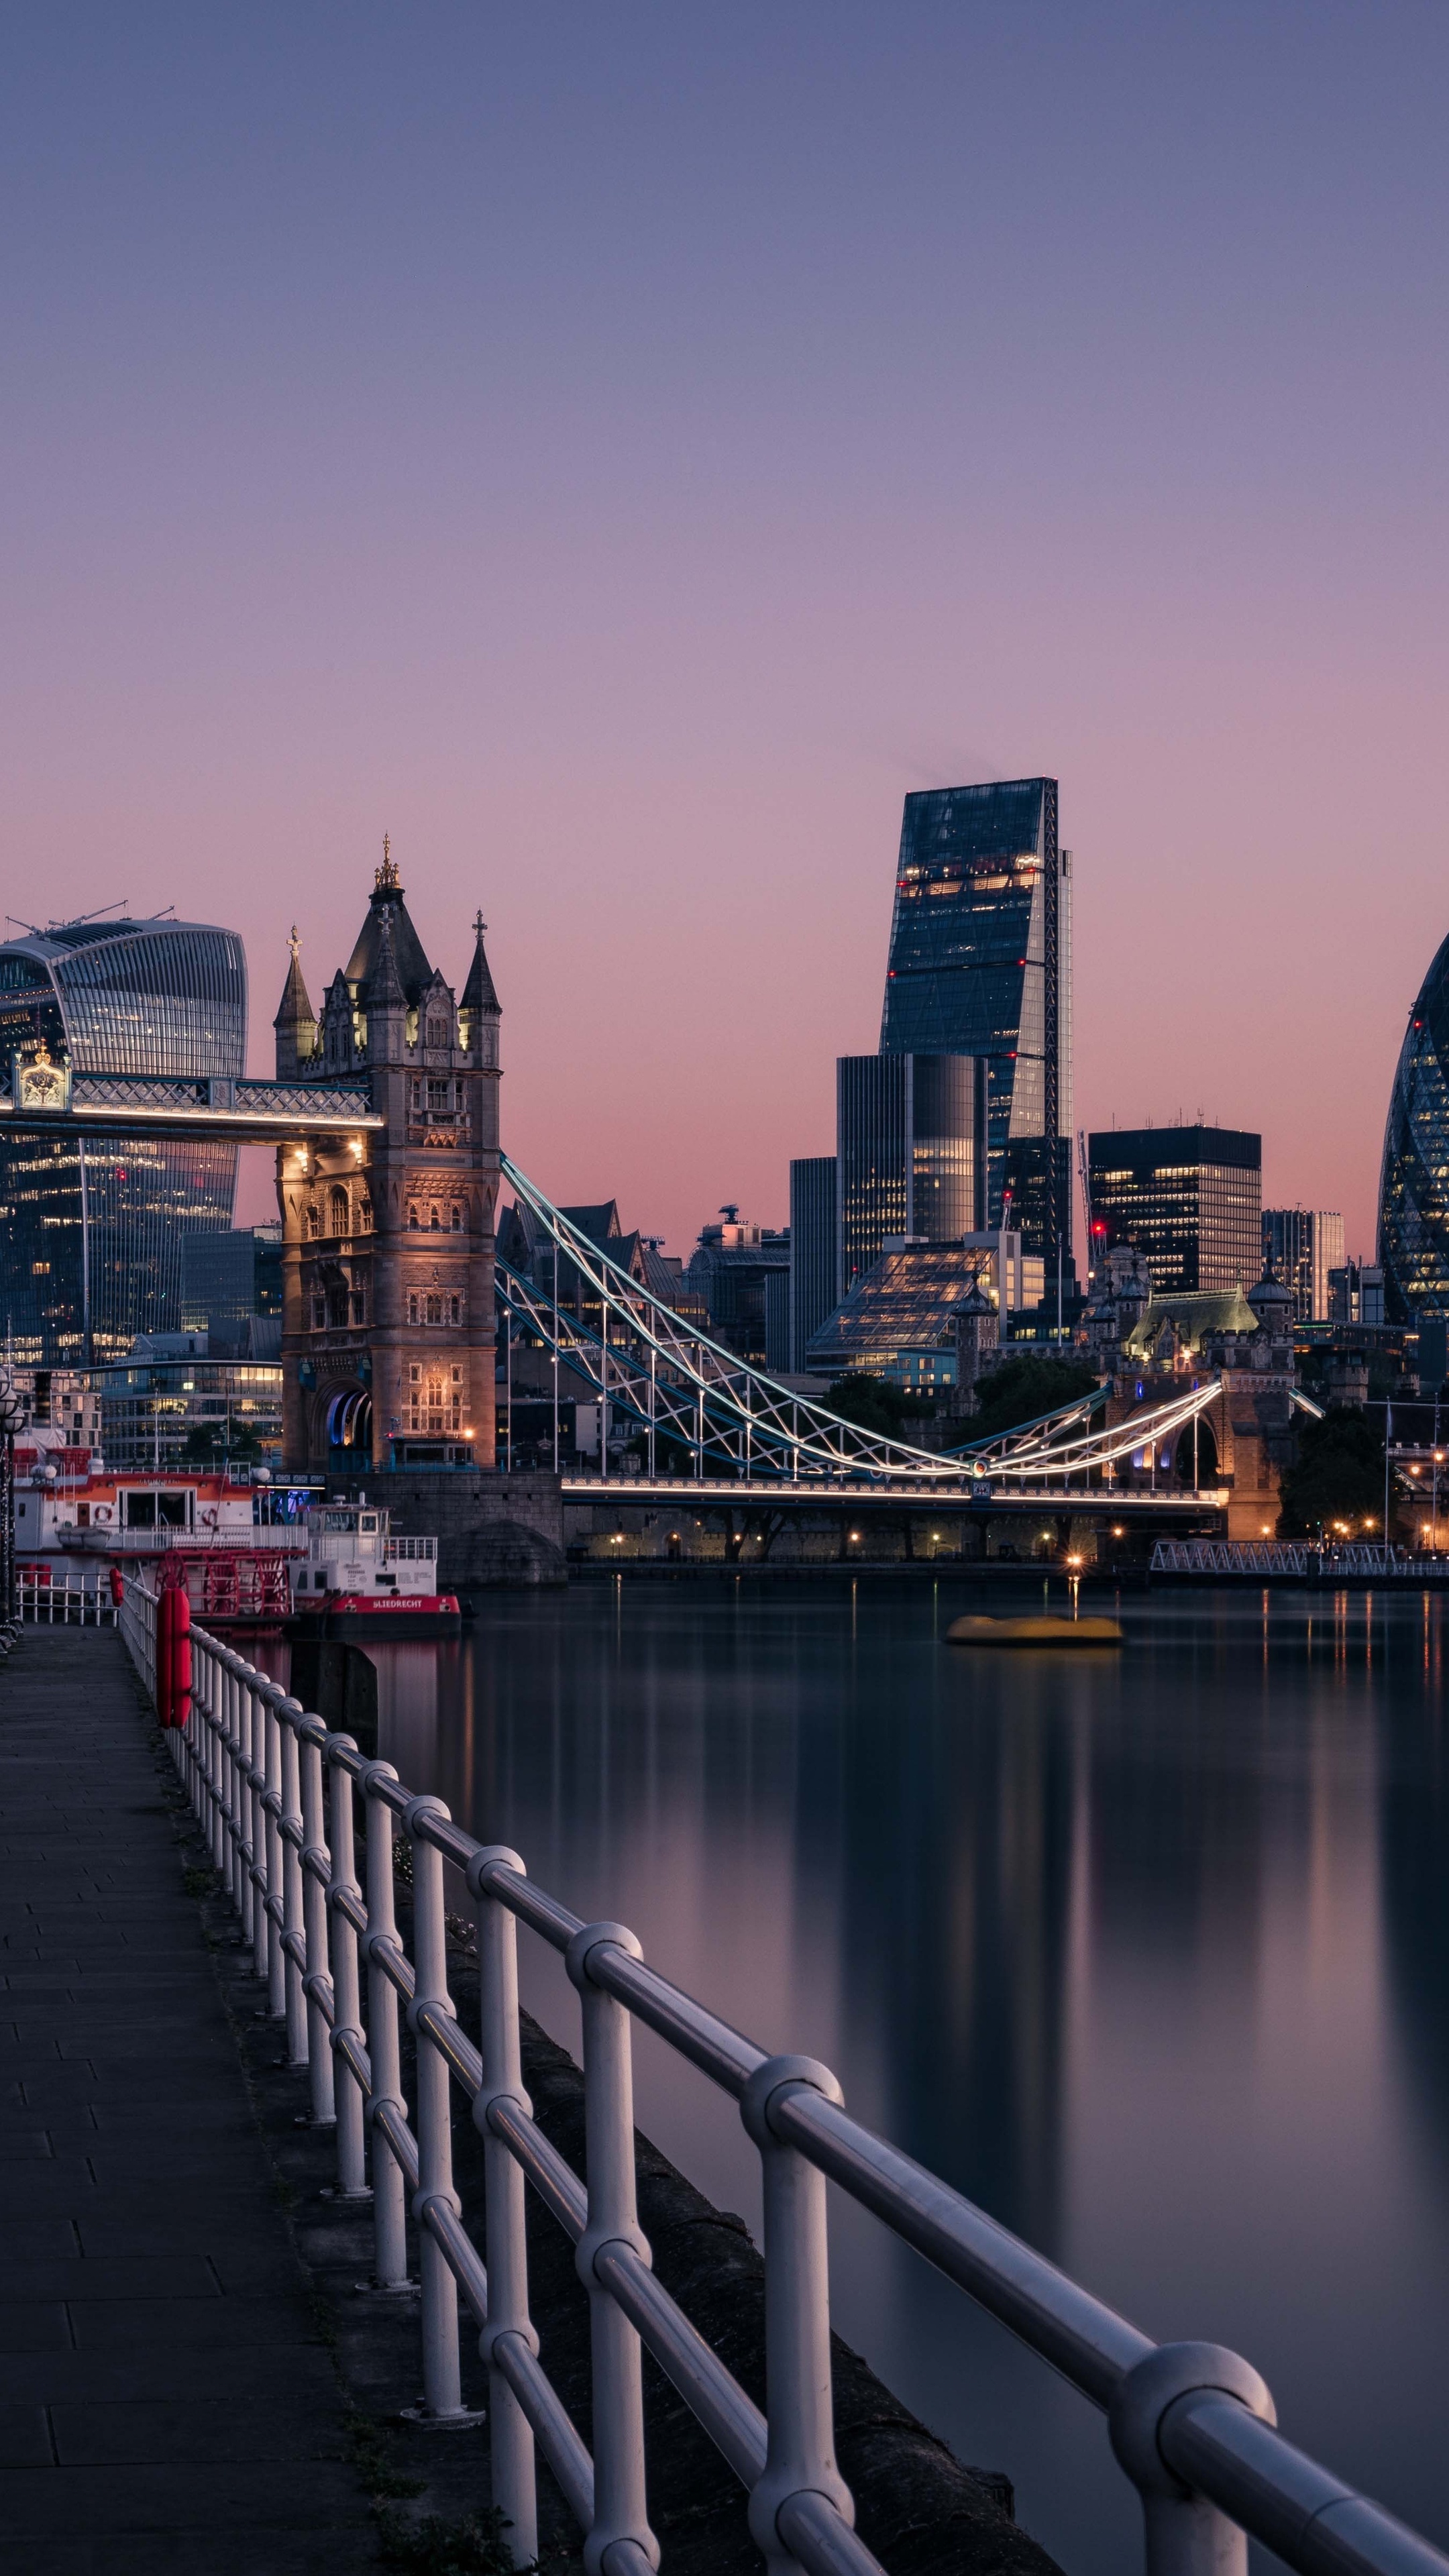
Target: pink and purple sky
point(621, 451)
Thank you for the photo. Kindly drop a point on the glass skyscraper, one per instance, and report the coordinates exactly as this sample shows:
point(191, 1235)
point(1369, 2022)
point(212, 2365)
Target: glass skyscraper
point(814, 1249)
point(1414, 1187)
point(1303, 1246)
point(981, 965)
point(911, 1153)
point(92, 1232)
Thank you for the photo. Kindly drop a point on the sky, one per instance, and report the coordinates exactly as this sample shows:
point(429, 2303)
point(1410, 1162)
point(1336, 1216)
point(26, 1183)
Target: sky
point(621, 451)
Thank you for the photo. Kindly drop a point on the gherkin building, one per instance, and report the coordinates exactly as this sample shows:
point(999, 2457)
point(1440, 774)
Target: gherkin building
point(1414, 1192)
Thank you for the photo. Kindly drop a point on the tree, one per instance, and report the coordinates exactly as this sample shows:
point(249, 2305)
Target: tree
point(1339, 1476)
point(1021, 1389)
point(877, 1404)
point(209, 1440)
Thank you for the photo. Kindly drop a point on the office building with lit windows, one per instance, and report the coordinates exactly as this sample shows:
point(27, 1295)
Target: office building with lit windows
point(1188, 1198)
point(1302, 1247)
point(92, 1232)
point(980, 966)
point(912, 1154)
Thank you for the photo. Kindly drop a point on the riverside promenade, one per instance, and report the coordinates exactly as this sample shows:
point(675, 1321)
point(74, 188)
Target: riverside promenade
point(166, 2399)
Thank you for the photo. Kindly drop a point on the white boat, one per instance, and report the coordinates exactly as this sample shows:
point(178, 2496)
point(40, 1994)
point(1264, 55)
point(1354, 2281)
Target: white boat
point(357, 1579)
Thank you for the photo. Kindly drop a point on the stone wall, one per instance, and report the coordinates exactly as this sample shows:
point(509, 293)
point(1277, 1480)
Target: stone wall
point(491, 1530)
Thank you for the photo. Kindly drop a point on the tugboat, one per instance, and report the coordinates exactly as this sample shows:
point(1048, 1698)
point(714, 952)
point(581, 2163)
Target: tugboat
point(357, 1580)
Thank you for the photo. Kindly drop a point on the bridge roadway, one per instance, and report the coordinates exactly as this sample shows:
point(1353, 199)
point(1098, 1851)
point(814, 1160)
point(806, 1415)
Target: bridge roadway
point(155, 2343)
point(779, 1494)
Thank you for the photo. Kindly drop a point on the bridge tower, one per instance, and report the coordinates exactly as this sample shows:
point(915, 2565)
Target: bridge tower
point(388, 1240)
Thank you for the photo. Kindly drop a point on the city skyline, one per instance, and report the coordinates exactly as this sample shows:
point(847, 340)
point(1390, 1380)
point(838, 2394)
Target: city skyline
point(522, 465)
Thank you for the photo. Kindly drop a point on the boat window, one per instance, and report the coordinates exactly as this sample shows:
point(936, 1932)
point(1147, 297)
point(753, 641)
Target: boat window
point(368, 1521)
point(173, 1510)
point(140, 1511)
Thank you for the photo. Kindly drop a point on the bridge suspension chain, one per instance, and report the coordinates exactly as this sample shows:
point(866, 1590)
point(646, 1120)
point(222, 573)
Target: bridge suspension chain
point(689, 1393)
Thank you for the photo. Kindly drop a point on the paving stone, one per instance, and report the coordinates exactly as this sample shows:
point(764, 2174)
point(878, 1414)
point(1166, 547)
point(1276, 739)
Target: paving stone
point(158, 2357)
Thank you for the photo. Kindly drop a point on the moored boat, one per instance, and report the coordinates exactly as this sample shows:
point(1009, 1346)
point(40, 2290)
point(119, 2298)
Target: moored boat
point(358, 1580)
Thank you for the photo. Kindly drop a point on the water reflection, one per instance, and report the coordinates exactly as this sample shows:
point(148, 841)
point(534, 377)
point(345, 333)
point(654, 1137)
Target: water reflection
point(1148, 1953)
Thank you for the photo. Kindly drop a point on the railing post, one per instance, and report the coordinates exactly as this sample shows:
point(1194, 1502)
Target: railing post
point(346, 2003)
point(800, 2453)
point(620, 2499)
point(1185, 2535)
point(514, 2476)
point(290, 1834)
point(389, 2207)
point(249, 1718)
point(316, 1874)
point(224, 1667)
point(442, 2387)
point(275, 1899)
point(208, 1707)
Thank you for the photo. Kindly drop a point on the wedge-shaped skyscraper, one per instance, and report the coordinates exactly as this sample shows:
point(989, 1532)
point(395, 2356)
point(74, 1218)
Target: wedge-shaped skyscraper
point(981, 965)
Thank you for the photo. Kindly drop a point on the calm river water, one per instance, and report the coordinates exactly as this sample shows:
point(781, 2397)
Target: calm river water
point(1148, 1953)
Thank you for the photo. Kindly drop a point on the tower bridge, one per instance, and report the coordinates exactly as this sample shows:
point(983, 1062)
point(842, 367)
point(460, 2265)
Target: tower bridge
point(384, 1115)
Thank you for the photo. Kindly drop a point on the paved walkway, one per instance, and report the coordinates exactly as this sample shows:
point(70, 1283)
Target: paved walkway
point(165, 2400)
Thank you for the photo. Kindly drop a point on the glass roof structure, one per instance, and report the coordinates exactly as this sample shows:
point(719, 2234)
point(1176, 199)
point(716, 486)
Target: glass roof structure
point(904, 1305)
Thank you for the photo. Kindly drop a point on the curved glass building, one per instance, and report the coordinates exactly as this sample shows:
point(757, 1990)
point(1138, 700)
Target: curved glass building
point(92, 1232)
point(1414, 1189)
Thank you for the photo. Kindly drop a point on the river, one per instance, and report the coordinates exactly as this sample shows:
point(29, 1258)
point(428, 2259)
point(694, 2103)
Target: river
point(1146, 1952)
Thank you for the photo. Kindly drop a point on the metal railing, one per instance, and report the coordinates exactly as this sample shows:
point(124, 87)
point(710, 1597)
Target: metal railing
point(1287, 1556)
point(64, 1604)
point(1191, 2423)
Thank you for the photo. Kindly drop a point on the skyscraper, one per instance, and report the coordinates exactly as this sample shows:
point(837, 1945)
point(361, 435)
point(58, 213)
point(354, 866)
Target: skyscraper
point(814, 1250)
point(981, 965)
point(1189, 1198)
point(92, 1233)
point(1303, 1246)
point(911, 1153)
point(1414, 1183)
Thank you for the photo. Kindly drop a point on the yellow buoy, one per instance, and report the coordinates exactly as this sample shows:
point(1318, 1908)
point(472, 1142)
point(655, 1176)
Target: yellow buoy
point(1034, 1632)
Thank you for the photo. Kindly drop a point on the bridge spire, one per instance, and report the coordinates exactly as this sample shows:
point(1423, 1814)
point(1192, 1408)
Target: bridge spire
point(479, 993)
point(296, 1021)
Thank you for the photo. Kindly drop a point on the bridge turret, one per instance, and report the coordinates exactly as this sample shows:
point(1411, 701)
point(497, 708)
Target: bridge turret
point(479, 1011)
point(385, 1003)
point(388, 1329)
point(296, 1021)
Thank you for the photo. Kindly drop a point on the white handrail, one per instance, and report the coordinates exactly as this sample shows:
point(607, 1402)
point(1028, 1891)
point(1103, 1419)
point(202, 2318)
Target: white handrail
point(1191, 2423)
